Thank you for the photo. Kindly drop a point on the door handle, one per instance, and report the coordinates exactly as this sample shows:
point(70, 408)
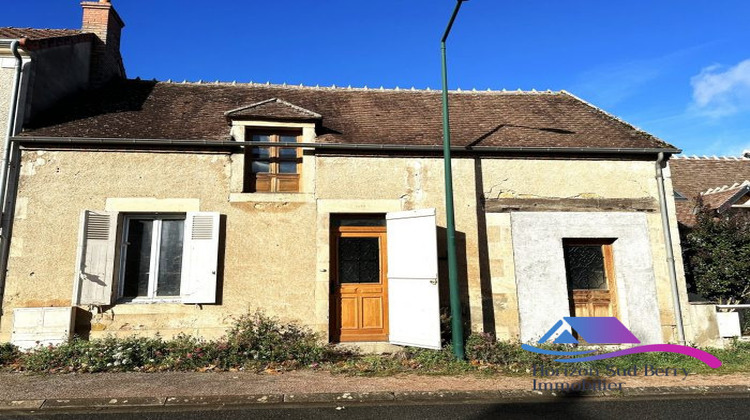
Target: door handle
point(433, 281)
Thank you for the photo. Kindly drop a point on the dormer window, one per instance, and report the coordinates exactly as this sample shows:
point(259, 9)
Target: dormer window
point(272, 168)
point(274, 132)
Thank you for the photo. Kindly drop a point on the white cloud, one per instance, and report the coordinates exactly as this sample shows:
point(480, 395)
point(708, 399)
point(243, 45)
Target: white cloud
point(719, 92)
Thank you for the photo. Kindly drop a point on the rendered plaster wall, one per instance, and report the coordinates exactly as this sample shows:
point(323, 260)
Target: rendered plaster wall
point(55, 186)
point(6, 84)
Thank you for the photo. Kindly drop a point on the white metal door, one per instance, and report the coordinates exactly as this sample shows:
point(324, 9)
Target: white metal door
point(413, 300)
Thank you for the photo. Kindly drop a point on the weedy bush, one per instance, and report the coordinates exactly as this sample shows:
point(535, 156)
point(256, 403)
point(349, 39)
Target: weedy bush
point(258, 342)
point(255, 341)
point(8, 353)
point(256, 337)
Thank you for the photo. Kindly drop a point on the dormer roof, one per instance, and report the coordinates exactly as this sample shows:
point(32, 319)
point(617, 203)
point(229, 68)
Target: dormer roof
point(724, 197)
point(273, 109)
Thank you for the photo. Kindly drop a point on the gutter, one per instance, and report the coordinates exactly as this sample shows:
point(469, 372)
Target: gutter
point(220, 144)
point(668, 245)
point(5, 166)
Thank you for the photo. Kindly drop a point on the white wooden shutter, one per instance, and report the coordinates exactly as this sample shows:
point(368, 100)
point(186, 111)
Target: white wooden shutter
point(413, 300)
point(96, 258)
point(200, 257)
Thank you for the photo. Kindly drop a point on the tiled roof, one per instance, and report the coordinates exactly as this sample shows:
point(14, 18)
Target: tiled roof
point(721, 198)
point(693, 176)
point(164, 110)
point(34, 39)
point(33, 33)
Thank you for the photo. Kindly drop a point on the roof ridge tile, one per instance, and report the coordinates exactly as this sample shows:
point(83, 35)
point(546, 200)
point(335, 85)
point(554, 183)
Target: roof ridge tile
point(251, 83)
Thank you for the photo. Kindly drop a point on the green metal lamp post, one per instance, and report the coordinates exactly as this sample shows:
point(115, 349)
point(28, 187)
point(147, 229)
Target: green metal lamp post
point(457, 327)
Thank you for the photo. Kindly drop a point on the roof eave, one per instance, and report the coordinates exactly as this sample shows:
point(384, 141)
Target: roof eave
point(30, 139)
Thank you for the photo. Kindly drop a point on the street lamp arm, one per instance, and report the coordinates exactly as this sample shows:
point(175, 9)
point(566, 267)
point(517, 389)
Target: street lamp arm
point(450, 22)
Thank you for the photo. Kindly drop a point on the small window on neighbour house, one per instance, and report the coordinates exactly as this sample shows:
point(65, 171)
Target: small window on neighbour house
point(272, 168)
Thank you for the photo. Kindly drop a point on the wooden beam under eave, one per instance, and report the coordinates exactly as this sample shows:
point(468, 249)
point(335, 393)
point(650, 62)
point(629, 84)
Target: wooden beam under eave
point(504, 205)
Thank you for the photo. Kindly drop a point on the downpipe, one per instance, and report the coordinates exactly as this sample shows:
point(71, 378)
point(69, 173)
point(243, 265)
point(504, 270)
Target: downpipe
point(4, 173)
point(669, 248)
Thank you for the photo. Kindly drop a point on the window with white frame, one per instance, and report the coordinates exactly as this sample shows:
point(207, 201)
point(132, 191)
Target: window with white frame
point(151, 256)
point(161, 257)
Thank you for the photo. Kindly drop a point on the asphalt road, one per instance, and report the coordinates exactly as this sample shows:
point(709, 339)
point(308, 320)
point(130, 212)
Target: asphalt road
point(654, 407)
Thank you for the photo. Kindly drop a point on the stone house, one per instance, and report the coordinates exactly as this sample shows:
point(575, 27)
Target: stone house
point(720, 182)
point(159, 207)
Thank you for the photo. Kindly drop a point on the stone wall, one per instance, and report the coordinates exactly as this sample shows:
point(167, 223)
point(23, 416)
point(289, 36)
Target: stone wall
point(276, 254)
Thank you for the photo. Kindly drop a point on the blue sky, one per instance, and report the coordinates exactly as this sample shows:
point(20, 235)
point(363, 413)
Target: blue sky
point(677, 69)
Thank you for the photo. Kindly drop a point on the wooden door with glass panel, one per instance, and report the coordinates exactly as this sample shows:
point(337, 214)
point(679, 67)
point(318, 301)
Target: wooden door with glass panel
point(359, 282)
point(589, 267)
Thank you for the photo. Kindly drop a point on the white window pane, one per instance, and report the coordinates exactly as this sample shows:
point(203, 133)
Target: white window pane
point(170, 258)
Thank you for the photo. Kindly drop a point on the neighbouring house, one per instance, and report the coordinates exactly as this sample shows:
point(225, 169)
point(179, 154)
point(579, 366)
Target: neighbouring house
point(60, 62)
point(159, 207)
point(38, 68)
point(720, 182)
point(717, 184)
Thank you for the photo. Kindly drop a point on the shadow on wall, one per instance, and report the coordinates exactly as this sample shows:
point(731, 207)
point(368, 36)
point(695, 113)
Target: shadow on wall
point(463, 283)
point(485, 279)
point(130, 96)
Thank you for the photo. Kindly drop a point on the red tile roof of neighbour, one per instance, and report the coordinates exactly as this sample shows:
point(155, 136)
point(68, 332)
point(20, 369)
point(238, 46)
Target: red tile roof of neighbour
point(34, 33)
point(693, 176)
point(721, 198)
point(164, 110)
point(44, 38)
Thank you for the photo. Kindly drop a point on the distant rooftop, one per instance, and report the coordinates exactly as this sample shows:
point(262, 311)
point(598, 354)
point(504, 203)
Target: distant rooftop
point(692, 176)
point(34, 33)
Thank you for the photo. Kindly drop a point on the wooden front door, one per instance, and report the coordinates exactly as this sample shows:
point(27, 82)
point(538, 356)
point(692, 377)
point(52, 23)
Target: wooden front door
point(359, 298)
point(589, 267)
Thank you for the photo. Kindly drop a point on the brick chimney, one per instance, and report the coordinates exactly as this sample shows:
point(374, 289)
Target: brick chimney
point(101, 19)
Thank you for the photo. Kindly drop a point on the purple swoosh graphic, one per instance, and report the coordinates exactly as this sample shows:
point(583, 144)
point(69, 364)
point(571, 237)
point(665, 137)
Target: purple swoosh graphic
point(707, 358)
